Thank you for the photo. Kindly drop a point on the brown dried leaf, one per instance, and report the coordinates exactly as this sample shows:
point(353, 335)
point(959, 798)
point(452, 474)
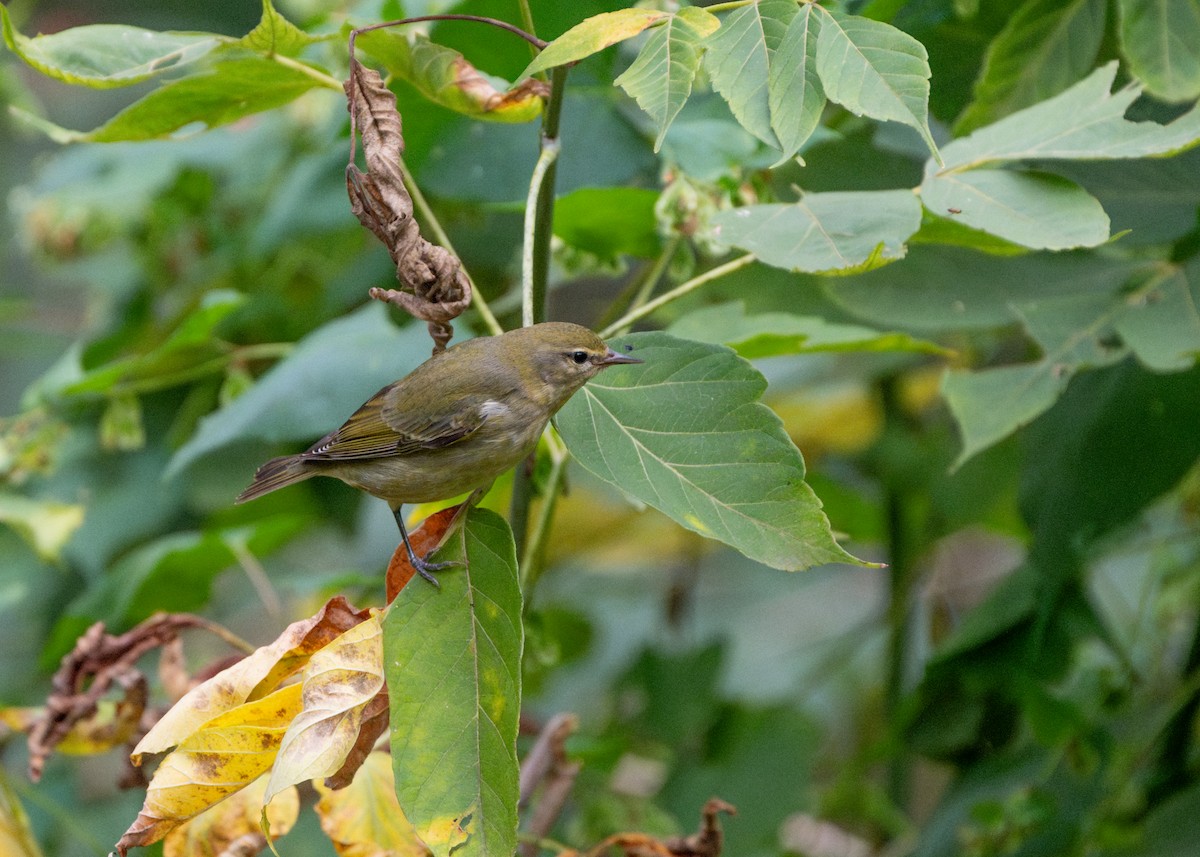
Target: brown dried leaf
point(251, 677)
point(433, 285)
point(339, 682)
point(219, 758)
point(364, 819)
point(427, 538)
point(216, 830)
point(98, 663)
point(707, 842)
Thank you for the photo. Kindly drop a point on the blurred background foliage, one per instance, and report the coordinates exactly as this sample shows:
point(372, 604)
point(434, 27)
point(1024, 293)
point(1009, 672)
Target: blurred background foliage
point(1023, 679)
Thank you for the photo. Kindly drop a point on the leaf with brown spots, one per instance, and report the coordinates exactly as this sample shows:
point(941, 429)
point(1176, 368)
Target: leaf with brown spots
point(364, 819)
point(250, 678)
point(339, 682)
point(213, 832)
point(219, 758)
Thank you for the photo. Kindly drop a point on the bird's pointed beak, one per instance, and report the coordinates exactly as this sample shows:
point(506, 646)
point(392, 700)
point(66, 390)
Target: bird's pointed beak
point(612, 358)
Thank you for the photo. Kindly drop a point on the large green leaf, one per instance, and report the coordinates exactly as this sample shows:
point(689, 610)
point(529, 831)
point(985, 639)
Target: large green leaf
point(1036, 210)
point(772, 334)
point(948, 289)
point(275, 34)
point(660, 79)
point(739, 59)
point(1045, 47)
point(312, 391)
point(225, 92)
point(872, 68)
point(825, 232)
point(685, 432)
point(794, 93)
point(107, 55)
point(609, 221)
point(1161, 41)
point(1086, 122)
point(452, 659)
point(592, 36)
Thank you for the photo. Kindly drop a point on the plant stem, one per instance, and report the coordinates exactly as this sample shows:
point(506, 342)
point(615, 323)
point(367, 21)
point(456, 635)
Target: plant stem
point(478, 19)
point(1170, 771)
point(652, 277)
point(531, 556)
point(677, 292)
point(900, 585)
point(536, 269)
point(435, 226)
point(316, 74)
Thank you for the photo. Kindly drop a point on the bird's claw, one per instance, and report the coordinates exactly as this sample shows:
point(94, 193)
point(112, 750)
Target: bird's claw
point(426, 569)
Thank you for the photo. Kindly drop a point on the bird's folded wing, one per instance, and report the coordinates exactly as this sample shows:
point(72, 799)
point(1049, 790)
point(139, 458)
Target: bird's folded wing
point(376, 430)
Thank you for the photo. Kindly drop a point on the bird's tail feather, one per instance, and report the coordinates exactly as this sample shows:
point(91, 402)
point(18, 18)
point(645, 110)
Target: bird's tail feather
point(276, 473)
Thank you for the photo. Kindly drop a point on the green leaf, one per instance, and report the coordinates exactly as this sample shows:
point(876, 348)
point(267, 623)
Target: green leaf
point(1086, 122)
point(106, 55)
point(685, 432)
point(1161, 42)
point(445, 77)
point(225, 92)
point(452, 658)
point(738, 59)
point(873, 69)
point(660, 78)
point(990, 405)
point(185, 355)
point(1036, 210)
point(592, 36)
point(1045, 47)
point(311, 392)
point(609, 221)
point(948, 289)
point(275, 34)
point(1074, 333)
point(46, 525)
point(771, 334)
point(825, 232)
point(795, 97)
point(1162, 324)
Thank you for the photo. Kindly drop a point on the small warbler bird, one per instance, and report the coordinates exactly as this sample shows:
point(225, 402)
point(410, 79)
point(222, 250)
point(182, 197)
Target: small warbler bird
point(462, 418)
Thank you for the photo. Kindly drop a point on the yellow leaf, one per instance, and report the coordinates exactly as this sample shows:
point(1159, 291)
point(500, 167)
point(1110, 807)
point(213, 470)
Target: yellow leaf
point(16, 839)
point(221, 757)
point(364, 819)
point(210, 833)
point(46, 525)
point(110, 726)
point(250, 678)
point(338, 682)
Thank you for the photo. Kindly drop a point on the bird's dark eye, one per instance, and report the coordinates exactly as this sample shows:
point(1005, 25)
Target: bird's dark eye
point(579, 357)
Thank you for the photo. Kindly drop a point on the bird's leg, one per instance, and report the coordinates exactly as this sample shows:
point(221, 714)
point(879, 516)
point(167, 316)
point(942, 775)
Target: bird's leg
point(423, 568)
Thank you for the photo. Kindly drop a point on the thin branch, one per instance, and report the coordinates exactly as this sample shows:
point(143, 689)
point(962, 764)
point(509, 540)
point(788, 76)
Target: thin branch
point(677, 292)
point(479, 19)
point(257, 575)
point(531, 554)
point(306, 69)
point(652, 276)
point(529, 290)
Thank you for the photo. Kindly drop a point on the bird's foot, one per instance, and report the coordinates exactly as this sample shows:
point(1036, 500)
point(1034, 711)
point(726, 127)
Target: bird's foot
point(426, 569)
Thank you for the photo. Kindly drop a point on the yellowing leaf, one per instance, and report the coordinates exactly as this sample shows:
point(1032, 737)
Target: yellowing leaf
point(110, 726)
point(364, 819)
point(47, 526)
point(16, 839)
point(250, 678)
point(211, 832)
point(593, 35)
point(221, 757)
point(338, 682)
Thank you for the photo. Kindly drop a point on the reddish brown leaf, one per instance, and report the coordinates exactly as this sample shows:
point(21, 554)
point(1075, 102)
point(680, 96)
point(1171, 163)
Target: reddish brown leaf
point(426, 539)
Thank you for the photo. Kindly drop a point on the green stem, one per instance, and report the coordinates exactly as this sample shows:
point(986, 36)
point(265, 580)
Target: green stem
point(527, 22)
point(532, 555)
point(900, 586)
point(533, 286)
point(435, 226)
point(305, 69)
point(652, 277)
point(260, 351)
point(677, 292)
